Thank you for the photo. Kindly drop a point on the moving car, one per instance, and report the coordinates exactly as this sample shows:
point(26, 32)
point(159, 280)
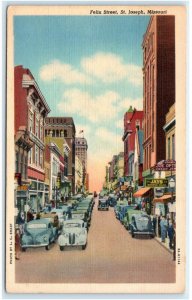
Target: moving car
point(103, 204)
point(38, 233)
point(141, 224)
point(74, 233)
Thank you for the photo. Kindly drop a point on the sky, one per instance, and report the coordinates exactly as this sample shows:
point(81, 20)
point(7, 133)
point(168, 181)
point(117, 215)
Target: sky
point(88, 68)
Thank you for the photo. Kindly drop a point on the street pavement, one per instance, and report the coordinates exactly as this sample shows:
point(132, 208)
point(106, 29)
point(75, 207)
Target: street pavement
point(111, 256)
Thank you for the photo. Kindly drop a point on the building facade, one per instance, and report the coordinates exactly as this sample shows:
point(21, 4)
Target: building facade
point(132, 119)
point(62, 131)
point(29, 100)
point(138, 159)
point(159, 86)
point(78, 174)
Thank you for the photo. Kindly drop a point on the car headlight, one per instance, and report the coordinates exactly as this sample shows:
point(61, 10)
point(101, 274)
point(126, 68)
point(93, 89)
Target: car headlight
point(45, 238)
point(66, 234)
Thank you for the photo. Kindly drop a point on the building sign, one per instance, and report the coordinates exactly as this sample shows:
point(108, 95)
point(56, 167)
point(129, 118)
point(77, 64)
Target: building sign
point(22, 188)
point(152, 182)
point(166, 165)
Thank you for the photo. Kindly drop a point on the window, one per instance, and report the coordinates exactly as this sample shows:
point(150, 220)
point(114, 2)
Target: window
point(168, 146)
point(37, 127)
point(25, 167)
point(41, 132)
point(173, 146)
point(31, 121)
point(30, 156)
point(16, 162)
point(65, 133)
point(41, 159)
point(36, 156)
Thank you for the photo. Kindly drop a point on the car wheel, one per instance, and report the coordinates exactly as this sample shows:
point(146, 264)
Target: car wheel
point(47, 247)
point(61, 248)
point(132, 234)
point(24, 249)
point(84, 246)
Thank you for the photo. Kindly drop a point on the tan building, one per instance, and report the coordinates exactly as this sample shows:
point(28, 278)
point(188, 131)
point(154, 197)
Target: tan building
point(78, 174)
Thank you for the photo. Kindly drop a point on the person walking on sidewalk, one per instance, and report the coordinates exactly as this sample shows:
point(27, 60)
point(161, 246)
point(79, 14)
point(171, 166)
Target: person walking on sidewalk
point(170, 231)
point(163, 225)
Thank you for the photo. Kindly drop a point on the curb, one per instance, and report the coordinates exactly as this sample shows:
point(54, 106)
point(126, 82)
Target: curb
point(163, 245)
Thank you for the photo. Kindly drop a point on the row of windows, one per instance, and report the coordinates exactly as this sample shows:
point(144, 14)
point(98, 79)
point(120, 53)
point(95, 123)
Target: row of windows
point(35, 126)
point(35, 156)
point(56, 133)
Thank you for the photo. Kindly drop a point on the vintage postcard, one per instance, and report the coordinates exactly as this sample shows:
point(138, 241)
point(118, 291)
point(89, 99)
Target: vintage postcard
point(96, 149)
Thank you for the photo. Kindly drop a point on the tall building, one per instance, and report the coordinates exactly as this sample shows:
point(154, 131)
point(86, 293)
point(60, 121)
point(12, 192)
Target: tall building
point(31, 109)
point(61, 131)
point(81, 151)
point(132, 119)
point(159, 86)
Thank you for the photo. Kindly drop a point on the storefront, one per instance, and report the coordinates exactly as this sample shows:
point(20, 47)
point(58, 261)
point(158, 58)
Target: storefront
point(37, 194)
point(144, 197)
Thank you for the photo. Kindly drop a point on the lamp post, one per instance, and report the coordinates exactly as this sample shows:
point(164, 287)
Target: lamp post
point(172, 186)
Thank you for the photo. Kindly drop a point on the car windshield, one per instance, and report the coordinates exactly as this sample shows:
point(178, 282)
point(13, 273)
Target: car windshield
point(37, 226)
point(69, 225)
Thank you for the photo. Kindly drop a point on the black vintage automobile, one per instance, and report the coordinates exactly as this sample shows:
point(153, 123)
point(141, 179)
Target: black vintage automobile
point(103, 204)
point(141, 224)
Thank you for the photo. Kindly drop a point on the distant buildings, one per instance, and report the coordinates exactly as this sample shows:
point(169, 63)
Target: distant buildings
point(62, 132)
point(132, 119)
point(81, 152)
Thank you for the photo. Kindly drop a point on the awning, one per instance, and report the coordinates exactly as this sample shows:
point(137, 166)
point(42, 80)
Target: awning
point(163, 199)
point(141, 192)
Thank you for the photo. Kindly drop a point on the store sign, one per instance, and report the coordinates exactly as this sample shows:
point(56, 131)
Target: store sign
point(22, 188)
point(166, 165)
point(152, 182)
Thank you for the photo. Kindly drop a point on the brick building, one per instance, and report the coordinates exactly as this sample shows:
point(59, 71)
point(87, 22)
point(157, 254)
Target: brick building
point(31, 109)
point(62, 131)
point(159, 86)
point(132, 119)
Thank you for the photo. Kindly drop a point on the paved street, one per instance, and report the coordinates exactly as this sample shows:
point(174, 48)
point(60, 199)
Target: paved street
point(111, 256)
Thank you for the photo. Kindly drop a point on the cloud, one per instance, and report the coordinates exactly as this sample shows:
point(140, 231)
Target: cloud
point(66, 73)
point(110, 68)
point(96, 109)
point(119, 124)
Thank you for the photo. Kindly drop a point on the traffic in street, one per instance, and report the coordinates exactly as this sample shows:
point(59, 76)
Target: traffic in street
point(102, 251)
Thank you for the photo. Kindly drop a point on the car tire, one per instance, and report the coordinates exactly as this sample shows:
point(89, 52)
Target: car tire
point(132, 234)
point(84, 246)
point(47, 247)
point(23, 249)
point(61, 248)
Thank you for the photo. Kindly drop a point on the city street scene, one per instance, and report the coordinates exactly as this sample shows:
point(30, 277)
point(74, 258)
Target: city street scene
point(94, 138)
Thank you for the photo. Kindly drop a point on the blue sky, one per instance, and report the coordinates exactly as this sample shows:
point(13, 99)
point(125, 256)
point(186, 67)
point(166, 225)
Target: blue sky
point(87, 67)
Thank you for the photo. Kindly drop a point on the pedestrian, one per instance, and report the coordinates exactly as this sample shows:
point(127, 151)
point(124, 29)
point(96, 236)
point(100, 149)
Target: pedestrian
point(30, 216)
point(21, 222)
point(174, 241)
point(154, 222)
point(170, 231)
point(163, 225)
point(17, 243)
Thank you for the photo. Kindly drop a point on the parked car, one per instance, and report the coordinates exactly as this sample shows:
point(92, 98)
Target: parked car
point(103, 204)
point(80, 214)
point(74, 233)
point(112, 200)
point(128, 215)
point(141, 224)
point(38, 233)
point(53, 217)
point(118, 206)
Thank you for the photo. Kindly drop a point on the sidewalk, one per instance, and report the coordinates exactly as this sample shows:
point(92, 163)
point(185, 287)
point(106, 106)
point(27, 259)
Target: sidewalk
point(165, 245)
